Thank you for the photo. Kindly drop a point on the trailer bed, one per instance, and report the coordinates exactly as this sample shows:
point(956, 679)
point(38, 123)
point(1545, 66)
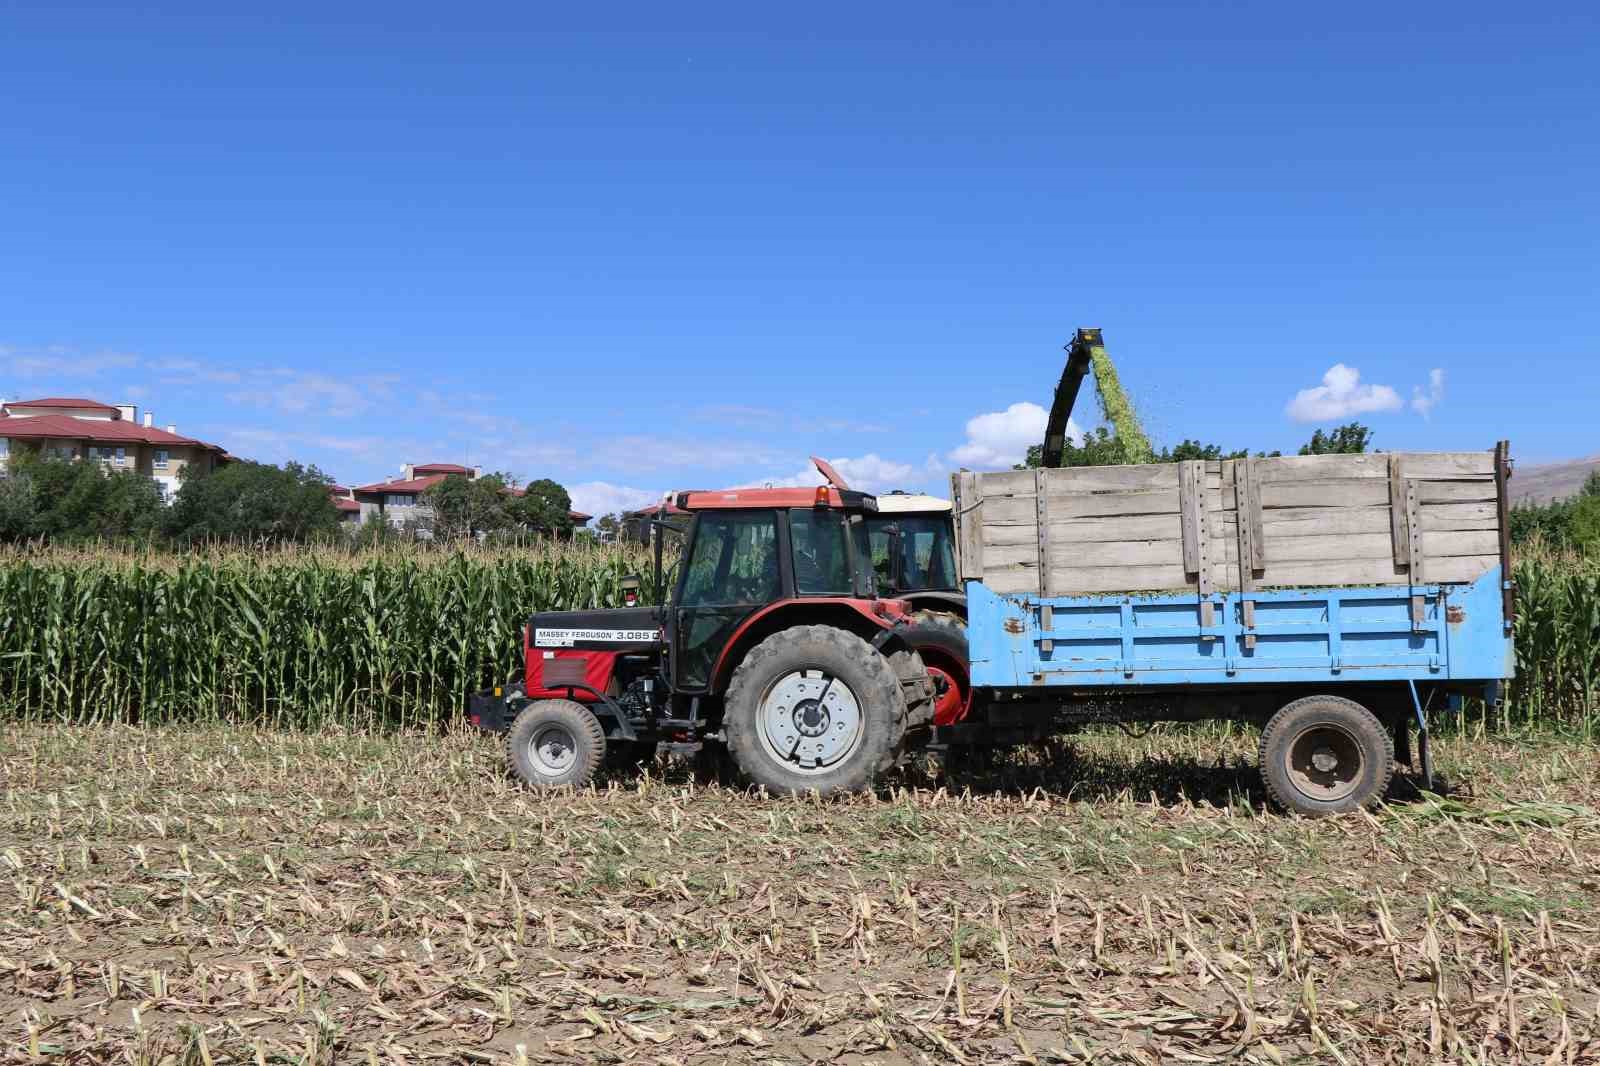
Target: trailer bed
point(1300, 569)
point(1433, 633)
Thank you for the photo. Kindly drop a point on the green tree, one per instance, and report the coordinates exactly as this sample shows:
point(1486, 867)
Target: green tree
point(464, 507)
point(1351, 439)
point(18, 507)
point(254, 501)
point(1583, 527)
point(608, 527)
point(65, 500)
point(543, 507)
point(1099, 447)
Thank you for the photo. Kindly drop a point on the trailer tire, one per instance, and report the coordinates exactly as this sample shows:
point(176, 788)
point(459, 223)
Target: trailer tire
point(858, 727)
point(554, 743)
point(1324, 755)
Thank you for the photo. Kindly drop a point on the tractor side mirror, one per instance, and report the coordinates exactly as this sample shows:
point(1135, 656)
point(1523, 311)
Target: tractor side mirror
point(630, 590)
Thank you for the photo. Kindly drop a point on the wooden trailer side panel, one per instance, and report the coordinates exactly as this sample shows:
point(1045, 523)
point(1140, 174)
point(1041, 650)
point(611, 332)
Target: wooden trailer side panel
point(1381, 519)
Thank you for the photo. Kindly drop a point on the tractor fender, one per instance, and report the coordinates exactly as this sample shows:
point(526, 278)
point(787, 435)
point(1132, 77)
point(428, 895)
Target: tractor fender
point(865, 618)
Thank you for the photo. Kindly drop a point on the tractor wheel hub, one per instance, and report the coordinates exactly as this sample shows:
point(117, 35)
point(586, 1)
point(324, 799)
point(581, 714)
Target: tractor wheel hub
point(811, 718)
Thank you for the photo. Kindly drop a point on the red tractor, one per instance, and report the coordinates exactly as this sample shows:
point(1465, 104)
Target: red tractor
point(772, 640)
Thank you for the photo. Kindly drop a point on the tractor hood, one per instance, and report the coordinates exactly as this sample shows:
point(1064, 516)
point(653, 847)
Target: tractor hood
point(623, 629)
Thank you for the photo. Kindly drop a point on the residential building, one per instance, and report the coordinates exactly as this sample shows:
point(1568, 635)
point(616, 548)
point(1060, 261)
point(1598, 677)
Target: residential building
point(399, 501)
point(344, 501)
point(73, 427)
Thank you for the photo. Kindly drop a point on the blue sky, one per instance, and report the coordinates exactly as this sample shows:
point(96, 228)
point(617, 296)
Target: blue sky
point(641, 248)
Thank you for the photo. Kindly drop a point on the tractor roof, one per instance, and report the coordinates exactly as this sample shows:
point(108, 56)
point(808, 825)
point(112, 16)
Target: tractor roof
point(744, 499)
point(911, 503)
point(834, 494)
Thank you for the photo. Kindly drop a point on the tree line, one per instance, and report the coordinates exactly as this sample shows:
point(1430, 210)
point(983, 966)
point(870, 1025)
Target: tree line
point(1101, 447)
point(65, 501)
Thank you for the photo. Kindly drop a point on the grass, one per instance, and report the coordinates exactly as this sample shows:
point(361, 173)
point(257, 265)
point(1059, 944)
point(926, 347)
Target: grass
point(206, 895)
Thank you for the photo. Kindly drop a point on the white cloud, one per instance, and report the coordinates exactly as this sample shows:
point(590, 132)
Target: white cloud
point(865, 473)
point(1341, 395)
point(1002, 438)
point(278, 445)
point(872, 472)
point(603, 498)
point(300, 393)
point(1424, 401)
point(61, 362)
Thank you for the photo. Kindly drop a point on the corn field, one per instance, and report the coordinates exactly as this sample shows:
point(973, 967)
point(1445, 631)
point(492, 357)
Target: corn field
point(1558, 645)
point(397, 637)
point(291, 637)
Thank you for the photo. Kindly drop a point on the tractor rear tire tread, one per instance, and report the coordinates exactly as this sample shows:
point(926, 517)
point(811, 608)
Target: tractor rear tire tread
point(917, 692)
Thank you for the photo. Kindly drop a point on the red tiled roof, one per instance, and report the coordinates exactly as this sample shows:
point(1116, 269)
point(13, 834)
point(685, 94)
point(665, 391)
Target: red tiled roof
point(645, 512)
point(440, 468)
point(405, 488)
point(65, 427)
point(342, 504)
point(579, 517)
point(76, 403)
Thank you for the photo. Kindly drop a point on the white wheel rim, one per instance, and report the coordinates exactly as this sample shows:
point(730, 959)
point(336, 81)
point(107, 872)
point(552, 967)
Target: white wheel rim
point(553, 750)
point(806, 736)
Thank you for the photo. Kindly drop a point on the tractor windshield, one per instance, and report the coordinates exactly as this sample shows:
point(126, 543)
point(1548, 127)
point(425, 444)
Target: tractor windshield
point(821, 555)
point(734, 560)
point(924, 560)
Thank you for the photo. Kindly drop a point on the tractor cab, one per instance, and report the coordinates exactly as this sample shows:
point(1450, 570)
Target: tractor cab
point(913, 550)
point(768, 636)
point(749, 550)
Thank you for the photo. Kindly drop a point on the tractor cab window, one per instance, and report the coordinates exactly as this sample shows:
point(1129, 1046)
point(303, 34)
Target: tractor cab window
point(734, 560)
point(821, 558)
point(925, 559)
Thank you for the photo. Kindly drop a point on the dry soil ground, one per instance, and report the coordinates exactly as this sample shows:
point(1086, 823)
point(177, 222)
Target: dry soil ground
point(210, 896)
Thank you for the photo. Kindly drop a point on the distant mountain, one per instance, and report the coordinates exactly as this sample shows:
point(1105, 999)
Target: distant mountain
point(1551, 481)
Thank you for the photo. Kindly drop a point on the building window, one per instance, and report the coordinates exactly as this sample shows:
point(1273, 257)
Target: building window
point(161, 459)
point(400, 500)
point(5, 448)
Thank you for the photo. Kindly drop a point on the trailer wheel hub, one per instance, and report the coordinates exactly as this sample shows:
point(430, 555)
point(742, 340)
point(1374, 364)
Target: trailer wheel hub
point(1325, 762)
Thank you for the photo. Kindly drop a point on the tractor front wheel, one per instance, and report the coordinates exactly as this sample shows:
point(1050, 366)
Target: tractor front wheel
point(554, 743)
point(814, 708)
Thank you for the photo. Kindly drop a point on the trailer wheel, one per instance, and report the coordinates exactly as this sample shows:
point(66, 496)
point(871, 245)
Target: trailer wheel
point(554, 743)
point(1326, 755)
point(814, 708)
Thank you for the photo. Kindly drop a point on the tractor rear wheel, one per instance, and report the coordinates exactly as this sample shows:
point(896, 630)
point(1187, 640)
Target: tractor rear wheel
point(814, 708)
point(554, 743)
point(941, 638)
point(918, 689)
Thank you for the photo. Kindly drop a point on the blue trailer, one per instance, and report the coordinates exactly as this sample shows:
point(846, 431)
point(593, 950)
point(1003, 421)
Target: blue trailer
point(1190, 591)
